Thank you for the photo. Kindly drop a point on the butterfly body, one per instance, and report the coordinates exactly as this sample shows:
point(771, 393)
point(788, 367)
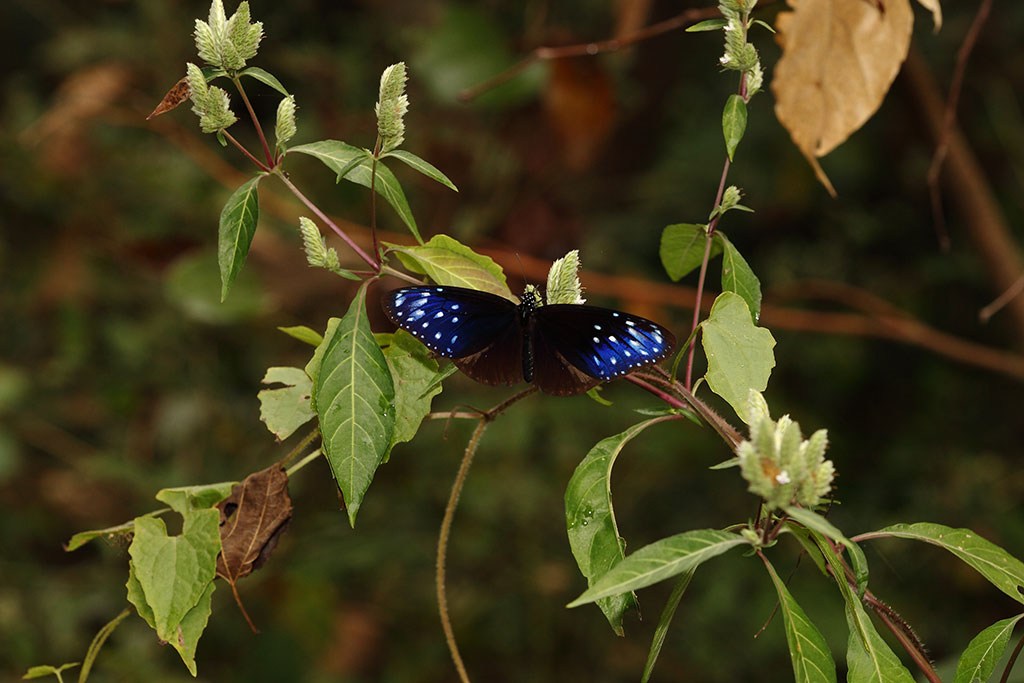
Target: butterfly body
point(564, 349)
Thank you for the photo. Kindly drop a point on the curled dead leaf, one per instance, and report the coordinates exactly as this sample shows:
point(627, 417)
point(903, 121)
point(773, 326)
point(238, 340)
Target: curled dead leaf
point(839, 59)
point(175, 96)
point(252, 520)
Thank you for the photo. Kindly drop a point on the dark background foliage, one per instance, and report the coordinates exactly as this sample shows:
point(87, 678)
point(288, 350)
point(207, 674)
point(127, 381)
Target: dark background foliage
point(120, 374)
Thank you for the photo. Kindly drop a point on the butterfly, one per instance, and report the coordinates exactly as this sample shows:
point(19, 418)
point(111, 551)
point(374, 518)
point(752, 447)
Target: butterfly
point(564, 349)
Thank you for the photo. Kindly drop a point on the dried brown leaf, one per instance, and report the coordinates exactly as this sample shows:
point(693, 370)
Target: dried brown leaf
point(839, 58)
point(252, 520)
point(175, 96)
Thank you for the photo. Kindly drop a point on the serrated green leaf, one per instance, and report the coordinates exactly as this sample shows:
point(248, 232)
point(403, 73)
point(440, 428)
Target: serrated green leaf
point(336, 155)
point(185, 499)
point(174, 572)
point(237, 226)
point(44, 670)
point(738, 277)
point(264, 77)
point(707, 25)
point(984, 651)
point(83, 537)
point(734, 123)
point(448, 262)
point(739, 354)
point(590, 519)
point(661, 560)
point(355, 400)
point(664, 622)
point(286, 409)
point(303, 334)
point(413, 372)
point(1001, 569)
point(422, 166)
point(812, 660)
point(682, 249)
point(816, 522)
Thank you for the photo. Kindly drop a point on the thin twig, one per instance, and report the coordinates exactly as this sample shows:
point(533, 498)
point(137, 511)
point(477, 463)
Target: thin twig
point(301, 446)
point(690, 16)
point(246, 152)
point(956, 85)
point(255, 121)
point(1006, 297)
point(1010, 662)
point(322, 216)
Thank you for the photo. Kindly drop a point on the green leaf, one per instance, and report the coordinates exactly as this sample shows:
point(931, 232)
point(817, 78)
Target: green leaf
point(303, 334)
point(83, 537)
point(737, 277)
point(812, 660)
point(682, 249)
point(1001, 569)
point(816, 522)
point(448, 262)
point(286, 409)
point(212, 72)
point(707, 25)
point(336, 155)
point(413, 372)
point(663, 623)
point(313, 366)
point(734, 123)
point(765, 24)
point(191, 628)
point(659, 561)
point(590, 519)
point(984, 651)
point(422, 166)
point(44, 670)
point(870, 661)
point(442, 374)
point(264, 77)
point(185, 499)
point(174, 572)
point(355, 400)
point(739, 353)
point(237, 226)
point(595, 394)
point(811, 550)
point(137, 597)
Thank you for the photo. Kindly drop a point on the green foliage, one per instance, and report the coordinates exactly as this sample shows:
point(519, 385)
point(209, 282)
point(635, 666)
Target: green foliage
point(659, 561)
point(665, 621)
point(422, 166)
point(446, 261)
point(984, 651)
point(590, 519)
point(738, 277)
point(238, 222)
point(734, 123)
point(415, 375)
point(44, 670)
point(355, 401)
point(739, 353)
point(812, 661)
point(353, 164)
point(287, 408)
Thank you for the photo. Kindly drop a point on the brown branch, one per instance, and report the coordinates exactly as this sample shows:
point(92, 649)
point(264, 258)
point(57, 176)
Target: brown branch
point(942, 148)
point(971, 191)
point(541, 54)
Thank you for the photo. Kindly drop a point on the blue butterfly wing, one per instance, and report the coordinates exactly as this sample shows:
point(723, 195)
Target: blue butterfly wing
point(481, 332)
point(599, 343)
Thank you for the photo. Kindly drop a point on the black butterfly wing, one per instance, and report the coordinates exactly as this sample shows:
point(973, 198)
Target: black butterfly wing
point(576, 347)
point(478, 330)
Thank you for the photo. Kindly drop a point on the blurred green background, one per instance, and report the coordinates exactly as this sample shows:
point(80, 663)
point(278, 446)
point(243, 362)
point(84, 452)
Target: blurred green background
point(120, 374)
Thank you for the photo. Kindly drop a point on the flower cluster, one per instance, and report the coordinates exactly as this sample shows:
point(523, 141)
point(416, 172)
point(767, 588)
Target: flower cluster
point(226, 43)
point(391, 107)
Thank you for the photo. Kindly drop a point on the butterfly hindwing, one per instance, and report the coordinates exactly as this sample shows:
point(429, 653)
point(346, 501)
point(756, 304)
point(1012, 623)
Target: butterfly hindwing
point(600, 342)
point(452, 321)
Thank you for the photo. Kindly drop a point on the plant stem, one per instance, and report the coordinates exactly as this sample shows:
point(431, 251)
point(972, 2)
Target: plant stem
point(302, 463)
point(255, 121)
point(323, 217)
point(306, 440)
point(1010, 662)
point(373, 201)
point(246, 152)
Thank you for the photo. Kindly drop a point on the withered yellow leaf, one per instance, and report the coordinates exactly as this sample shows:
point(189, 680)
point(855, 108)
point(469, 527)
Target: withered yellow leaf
point(839, 58)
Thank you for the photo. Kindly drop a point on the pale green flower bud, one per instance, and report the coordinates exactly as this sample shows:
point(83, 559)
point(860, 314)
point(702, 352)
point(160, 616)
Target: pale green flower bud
point(391, 107)
point(284, 129)
point(564, 282)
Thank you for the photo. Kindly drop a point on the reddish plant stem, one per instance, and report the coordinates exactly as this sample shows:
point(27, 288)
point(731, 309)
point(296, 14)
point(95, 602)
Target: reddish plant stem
point(671, 400)
point(246, 152)
point(255, 122)
point(1010, 662)
point(323, 217)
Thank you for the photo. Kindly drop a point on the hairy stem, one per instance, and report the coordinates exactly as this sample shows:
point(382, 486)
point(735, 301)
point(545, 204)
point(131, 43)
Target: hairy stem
point(255, 122)
point(323, 217)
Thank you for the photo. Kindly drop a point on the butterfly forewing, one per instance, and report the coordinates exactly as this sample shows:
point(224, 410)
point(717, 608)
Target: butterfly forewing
point(600, 342)
point(452, 321)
